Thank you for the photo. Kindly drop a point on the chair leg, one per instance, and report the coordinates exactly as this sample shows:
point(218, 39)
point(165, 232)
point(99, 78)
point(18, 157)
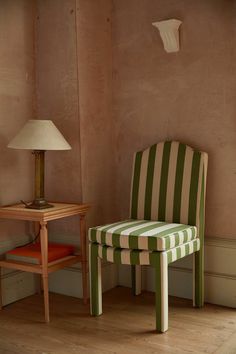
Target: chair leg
point(0, 288)
point(198, 278)
point(95, 280)
point(46, 298)
point(162, 292)
point(136, 277)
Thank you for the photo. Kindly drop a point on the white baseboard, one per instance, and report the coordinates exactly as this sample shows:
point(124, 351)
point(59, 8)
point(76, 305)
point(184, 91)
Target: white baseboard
point(16, 285)
point(220, 289)
point(68, 281)
point(220, 274)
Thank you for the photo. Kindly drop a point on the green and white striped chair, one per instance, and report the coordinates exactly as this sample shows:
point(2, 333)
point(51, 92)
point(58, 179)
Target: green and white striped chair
point(166, 223)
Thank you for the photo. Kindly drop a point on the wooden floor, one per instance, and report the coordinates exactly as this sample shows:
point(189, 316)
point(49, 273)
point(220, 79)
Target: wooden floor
point(126, 327)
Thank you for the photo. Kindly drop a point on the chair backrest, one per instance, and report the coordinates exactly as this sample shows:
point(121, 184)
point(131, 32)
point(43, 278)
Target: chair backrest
point(168, 184)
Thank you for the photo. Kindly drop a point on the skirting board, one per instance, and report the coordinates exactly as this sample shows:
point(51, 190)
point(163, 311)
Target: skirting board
point(220, 274)
point(17, 285)
point(68, 281)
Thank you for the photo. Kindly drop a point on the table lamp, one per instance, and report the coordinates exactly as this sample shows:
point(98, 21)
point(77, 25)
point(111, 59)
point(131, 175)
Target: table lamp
point(39, 136)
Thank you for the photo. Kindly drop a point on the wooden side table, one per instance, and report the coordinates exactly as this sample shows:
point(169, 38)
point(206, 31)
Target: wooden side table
point(41, 217)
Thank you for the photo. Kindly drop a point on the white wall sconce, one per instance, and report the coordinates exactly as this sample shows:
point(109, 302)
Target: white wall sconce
point(169, 32)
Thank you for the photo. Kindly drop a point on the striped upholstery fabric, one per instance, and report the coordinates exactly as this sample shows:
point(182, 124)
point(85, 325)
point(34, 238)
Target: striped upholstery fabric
point(143, 234)
point(167, 181)
point(166, 223)
point(140, 257)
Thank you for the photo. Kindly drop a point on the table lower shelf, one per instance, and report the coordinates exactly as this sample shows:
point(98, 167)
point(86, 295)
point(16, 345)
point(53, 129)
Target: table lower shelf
point(37, 268)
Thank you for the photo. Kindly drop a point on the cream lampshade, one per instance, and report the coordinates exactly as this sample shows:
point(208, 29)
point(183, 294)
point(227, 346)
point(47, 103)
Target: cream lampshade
point(39, 136)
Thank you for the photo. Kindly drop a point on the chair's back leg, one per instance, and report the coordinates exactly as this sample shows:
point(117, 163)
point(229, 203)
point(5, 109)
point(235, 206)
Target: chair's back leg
point(198, 278)
point(161, 292)
point(95, 278)
point(136, 278)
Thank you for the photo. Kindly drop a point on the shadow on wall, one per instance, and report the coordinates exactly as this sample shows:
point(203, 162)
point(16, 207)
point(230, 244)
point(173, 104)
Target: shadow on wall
point(15, 174)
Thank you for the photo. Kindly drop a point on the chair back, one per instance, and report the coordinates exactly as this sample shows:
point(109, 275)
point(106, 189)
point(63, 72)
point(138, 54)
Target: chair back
point(168, 184)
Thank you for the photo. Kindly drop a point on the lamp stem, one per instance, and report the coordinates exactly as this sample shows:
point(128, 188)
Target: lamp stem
point(39, 173)
point(39, 201)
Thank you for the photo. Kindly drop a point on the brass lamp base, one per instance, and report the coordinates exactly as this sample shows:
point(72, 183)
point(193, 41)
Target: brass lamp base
point(39, 204)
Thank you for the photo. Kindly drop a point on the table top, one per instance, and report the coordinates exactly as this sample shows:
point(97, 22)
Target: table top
point(58, 211)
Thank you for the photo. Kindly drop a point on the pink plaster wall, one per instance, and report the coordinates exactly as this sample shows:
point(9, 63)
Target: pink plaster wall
point(57, 93)
point(94, 45)
point(188, 96)
point(74, 89)
point(16, 106)
point(57, 99)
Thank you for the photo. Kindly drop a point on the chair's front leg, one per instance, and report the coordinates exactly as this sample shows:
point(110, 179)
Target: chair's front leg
point(136, 279)
point(161, 292)
point(198, 278)
point(95, 280)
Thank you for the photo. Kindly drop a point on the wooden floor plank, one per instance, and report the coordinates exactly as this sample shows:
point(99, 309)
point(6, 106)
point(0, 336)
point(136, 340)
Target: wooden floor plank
point(126, 327)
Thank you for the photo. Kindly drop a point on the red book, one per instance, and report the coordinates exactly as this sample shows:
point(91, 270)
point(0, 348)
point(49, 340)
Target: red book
point(32, 253)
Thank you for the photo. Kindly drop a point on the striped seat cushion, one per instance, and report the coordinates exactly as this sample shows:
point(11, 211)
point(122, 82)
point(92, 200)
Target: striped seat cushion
point(143, 234)
point(143, 257)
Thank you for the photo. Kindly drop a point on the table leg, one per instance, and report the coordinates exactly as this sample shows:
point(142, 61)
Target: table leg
point(84, 257)
point(44, 253)
point(0, 288)
point(37, 277)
